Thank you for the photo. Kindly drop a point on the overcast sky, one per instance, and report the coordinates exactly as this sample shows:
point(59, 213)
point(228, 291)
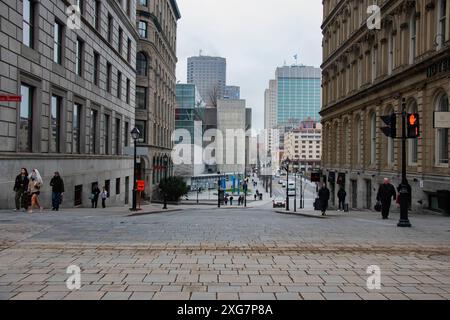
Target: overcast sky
point(255, 36)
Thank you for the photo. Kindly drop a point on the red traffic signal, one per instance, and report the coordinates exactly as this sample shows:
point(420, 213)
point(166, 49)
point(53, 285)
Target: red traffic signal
point(413, 126)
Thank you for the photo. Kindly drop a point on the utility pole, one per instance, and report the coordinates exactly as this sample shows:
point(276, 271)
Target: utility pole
point(404, 186)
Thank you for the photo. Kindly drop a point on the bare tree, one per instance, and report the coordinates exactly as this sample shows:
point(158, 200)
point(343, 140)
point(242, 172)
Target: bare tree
point(214, 96)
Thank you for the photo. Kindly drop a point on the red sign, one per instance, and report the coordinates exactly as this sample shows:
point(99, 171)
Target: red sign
point(8, 98)
point(140, 185)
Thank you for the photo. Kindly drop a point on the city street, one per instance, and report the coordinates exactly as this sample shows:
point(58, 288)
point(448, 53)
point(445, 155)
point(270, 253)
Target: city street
point(210, 253)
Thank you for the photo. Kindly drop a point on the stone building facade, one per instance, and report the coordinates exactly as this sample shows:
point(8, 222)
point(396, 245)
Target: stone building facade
point(76, 83)
point(155, 89)
point(367, 72)
point(305, 145)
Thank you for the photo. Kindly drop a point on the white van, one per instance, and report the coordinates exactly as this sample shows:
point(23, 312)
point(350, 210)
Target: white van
point(291, 188)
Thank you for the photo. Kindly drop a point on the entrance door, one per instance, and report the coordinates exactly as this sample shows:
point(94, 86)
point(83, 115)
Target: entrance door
point(368, 194)
point(127, 190)
point(354, 194)
point(332, 194)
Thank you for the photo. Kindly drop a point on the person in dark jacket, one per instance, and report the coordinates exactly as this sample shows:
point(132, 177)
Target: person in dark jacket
point(342, 194)
point(57, 185)
point(20, 188)
point(386, 193)
point(324, 196)
point(94, 196)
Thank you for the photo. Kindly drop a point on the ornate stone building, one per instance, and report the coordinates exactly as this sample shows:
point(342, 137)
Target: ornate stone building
point(367, 72)
point(155, 88)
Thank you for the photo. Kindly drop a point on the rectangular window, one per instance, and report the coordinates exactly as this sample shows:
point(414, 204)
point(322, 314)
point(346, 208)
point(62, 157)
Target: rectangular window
point(142, 27)
point(106, 133)
point(110, 28)
point(118, 134)
point(93, 136)
point(143, 2)
point(126, 134)
point(128, 91)
point(120, 40)
point(117, 186)
point(28, 23)
point(119, 85)
point(80, 4)
point(96, 70)
point(129, 50)
point(442, 34)
point(141, 98)
point(57, 42)
point(79, 57)
point(26, 118)
point(141, 126)
point(55, 124)
point(97, 15)
point(76, 128)
point(108, 77)
point(78, 198)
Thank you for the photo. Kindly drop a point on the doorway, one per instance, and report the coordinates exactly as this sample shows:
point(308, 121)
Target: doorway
point(127, 190)
point(368, 194)
point(354, 193)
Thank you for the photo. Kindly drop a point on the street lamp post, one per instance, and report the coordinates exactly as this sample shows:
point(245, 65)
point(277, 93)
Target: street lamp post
point(218, 188)
point(404, 186)
point(166, 163)
point(302, 204)
point(286, 167)
point(135, 133)
point(295, 186)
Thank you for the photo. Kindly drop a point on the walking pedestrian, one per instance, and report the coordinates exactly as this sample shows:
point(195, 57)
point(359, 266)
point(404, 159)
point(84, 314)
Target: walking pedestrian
point(34, 189)
point(57, 185)
point(231, 200)
point(226, 200)
point(324, 196)
point(104, 196)
point(386, 193)
point(21, 190)
point(94, 196)
point(342, 194)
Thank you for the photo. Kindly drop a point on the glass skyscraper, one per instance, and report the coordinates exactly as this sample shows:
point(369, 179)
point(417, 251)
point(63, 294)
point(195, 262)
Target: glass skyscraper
point(190, 108)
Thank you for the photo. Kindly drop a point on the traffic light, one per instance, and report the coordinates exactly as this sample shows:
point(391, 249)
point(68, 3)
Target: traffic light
point(391, 129)
point(413, 128)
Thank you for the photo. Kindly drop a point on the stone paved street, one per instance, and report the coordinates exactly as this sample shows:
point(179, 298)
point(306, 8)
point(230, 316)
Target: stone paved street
point(206, 253)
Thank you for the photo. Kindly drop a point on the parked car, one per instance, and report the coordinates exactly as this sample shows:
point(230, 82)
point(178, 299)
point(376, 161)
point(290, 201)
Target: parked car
point(280, 181)
point(279, 203)
point(284, 184)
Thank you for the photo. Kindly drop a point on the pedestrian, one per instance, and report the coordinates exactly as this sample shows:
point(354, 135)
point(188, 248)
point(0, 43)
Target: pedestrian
point(94, 196)
point(57, 185)
point(231, 200)
point(104, 196)
point(386, 193)
point(324, 196)
point(256, 196)
point(342, 194)
point(226, 200)
point(21, 190)
point(34, 189)
point(240, 200)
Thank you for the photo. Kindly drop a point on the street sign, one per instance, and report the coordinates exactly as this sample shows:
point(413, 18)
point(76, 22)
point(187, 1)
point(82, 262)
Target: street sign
point(129, 151)
point(10, 98)
point(140, 185)
point(442, 120)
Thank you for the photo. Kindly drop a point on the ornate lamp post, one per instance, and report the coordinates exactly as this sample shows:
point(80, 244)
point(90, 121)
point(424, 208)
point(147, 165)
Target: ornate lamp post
point(286, 164)
point(295, 169)
point(135, 134)
point(166, 164)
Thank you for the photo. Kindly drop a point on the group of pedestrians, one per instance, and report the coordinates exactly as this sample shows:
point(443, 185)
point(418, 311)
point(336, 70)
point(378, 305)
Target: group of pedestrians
point(28, 189)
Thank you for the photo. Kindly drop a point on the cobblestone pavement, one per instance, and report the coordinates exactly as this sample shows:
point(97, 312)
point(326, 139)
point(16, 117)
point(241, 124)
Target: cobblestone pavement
point(204, 253)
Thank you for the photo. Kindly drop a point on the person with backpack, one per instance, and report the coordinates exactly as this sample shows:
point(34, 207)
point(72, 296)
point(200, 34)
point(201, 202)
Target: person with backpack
point(104, 196)
point(94, 196)
point(57, 185)
point(21, 190)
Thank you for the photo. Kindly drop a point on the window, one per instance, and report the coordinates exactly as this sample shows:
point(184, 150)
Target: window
point(413, 38)
point(93, 135)
point(78, 198)
point(26, 118)
point(373, 138)
point(374, 63)
point(97, 14)
point(108, 77)
point(442, 134)
point(391, 52)
point(117, 186)
point(129, 50)
point(79, 57)
point(442, 21)
point(128, 8)
point(126, 134)
point(118, 149)
point(141, 64)
point(110, 28)
point(96, 70)
point(106, 133)
point(413, 144)
point(142, 27)
point(128, 91)
point(120, 40)
point(119, 85)
point(57, 39)
point(28, 23)
point(357, 140)
point(141, 125)
point(390, 145)
point(141, 98)
point(55, 124)
point(143, 2)
point(76, 128)
point(80, 4)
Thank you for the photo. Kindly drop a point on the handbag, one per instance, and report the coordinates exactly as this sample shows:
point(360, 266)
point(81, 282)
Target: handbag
point(378, 207)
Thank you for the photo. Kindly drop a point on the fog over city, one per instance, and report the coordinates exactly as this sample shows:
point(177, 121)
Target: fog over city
point(255, 36)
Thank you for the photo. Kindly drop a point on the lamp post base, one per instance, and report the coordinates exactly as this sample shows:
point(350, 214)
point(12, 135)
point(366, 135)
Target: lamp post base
point(404, 224)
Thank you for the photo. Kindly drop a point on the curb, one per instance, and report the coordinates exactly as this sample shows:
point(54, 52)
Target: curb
point(308, 215)
point(153, 212)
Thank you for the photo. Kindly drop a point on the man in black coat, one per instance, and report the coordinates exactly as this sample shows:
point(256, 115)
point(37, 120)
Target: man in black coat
point(20, 188)
point(386, 193)
point(324, 196)
point(57, 185)
point(342, 194)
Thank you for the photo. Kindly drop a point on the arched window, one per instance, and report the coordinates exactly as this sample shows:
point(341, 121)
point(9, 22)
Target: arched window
point(345, 143)
point(357, 141)
point(413, 144)
point(390, 145)
point(442, 134)
point(373, 138)
point(412, 37)
point(141, 64)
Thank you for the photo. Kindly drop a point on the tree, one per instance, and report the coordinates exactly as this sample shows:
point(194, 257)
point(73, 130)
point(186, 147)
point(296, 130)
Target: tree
point(174, 188)
point(214, 96)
